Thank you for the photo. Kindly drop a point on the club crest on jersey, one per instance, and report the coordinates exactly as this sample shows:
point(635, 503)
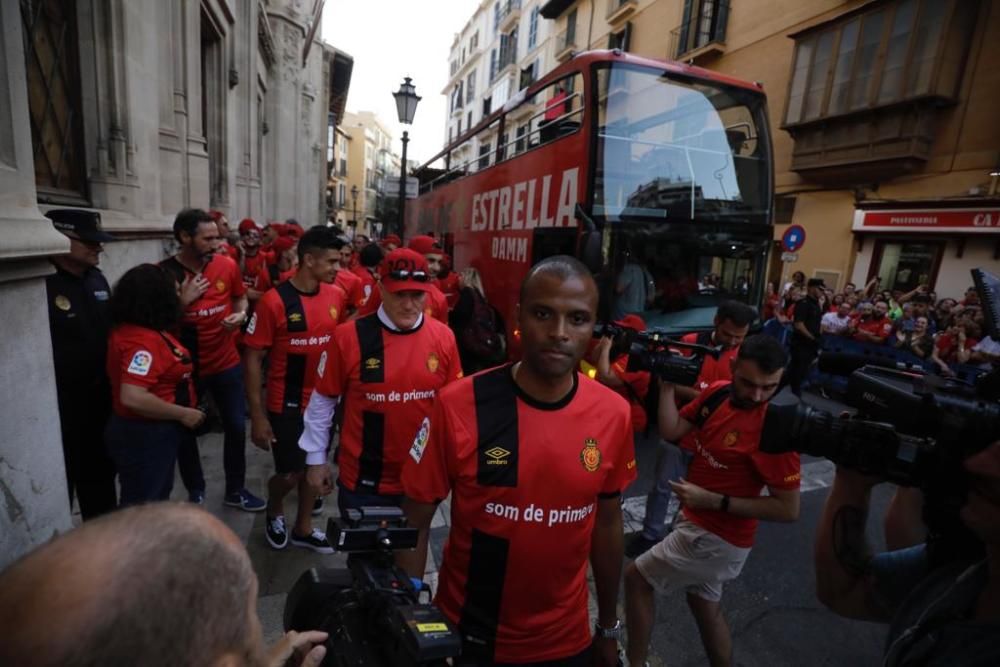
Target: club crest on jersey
point(333, 313)
point(220, 285)
point(142, 361)
point(62, 303)
point(420, 442)
point(731, 438)
point(590, 455)
point(497, 456)
point(433, 362)
point(371, 363)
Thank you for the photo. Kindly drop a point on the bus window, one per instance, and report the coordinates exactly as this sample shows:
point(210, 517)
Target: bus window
point(677, 149)
point(553, 112)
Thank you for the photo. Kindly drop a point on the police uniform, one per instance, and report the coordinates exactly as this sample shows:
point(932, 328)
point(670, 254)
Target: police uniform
point(79, 321)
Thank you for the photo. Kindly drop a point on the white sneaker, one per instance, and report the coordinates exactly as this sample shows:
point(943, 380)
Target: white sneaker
point(316, 541)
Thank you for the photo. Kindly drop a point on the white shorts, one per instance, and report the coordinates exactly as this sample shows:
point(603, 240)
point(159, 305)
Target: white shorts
point(694, 558)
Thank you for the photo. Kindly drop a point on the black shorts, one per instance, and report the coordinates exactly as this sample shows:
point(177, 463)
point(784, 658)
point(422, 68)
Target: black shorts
point(288, 456)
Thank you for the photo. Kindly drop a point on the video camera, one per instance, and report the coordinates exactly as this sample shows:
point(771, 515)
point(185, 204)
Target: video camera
point(371, 609)
point(910, 428)
point(657, 353)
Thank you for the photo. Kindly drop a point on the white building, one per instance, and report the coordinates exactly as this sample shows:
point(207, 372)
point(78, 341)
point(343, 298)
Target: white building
point(503, 48)
point(138, 109)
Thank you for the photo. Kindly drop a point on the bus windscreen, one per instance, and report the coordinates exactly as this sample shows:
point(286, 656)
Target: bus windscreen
point(679, 150)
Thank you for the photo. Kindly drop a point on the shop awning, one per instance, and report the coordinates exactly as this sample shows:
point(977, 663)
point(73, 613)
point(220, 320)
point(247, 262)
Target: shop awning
point(984, 220)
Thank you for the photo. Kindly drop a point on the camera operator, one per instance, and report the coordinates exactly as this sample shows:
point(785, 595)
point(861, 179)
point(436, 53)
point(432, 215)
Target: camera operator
point(732, 323)
point(536, 460)
point(613, 373)
point(951, 616)
point(721, 498)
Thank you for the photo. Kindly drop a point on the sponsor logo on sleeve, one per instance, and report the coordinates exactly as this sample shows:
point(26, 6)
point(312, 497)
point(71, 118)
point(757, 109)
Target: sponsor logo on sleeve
point(253, 324)
point(322, 365)
point(142, 361)
point(420, 442)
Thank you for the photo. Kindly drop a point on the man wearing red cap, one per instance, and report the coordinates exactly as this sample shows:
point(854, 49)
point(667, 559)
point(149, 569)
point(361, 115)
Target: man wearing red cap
point(448, 281)
point(392, 362)
point(278, 271)
point(437, 304)
point(391, 242)
point(369, 259)
point(948, 615)
point(222, 222)
point(252, 260)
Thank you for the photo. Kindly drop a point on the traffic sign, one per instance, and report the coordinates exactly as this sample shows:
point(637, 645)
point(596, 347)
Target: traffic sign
point(412, 187)
point(794, 238)
point(789, 257)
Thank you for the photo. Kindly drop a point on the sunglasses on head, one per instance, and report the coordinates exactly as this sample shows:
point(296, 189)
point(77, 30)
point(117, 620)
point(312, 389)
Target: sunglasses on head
point(419, 276)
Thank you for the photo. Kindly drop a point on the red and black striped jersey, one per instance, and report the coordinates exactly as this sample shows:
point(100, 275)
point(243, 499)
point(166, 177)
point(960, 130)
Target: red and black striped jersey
point(294, 328)
point(525, 479)
point(387, 381)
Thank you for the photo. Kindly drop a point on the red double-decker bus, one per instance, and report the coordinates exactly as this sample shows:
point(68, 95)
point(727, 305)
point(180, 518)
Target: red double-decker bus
point(656, 174)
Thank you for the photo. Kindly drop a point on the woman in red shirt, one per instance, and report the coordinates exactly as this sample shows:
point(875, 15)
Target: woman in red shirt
point(151, 386)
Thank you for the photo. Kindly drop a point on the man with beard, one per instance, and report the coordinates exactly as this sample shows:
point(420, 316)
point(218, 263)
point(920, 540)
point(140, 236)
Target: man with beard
point(215, 307)
point(721, 498)
point(872, 325)
point(156, 585)
point(252, 260)
point(536, 458)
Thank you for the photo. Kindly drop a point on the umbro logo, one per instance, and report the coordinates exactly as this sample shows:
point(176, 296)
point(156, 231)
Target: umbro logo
point(497, 456)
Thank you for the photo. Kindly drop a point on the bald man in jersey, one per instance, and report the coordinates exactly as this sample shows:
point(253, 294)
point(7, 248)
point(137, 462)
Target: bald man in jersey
point(157, 585)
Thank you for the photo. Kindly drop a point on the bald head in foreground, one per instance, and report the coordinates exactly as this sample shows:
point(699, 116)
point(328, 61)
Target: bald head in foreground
point(164, 584)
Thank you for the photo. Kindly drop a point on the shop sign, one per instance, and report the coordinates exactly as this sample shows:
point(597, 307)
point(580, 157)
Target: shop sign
point(967, 221)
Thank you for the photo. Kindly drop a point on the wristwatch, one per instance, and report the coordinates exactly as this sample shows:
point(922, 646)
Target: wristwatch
point(616, 632)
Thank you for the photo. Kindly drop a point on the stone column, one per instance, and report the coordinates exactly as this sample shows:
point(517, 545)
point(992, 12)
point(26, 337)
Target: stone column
point(34, 504)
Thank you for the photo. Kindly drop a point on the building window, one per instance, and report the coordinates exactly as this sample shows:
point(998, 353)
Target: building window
point(533, 28)
point(474, 42)
point(52, 60)
point(458, 132)
point(621, 39)
point(528, 75)
point(457, 97)
point(496, 17)
point(493, 64)
point(470, 87)
point(342, 194)
point(486, 106)
point(703, 23)
point(880, 57)
point(571, 27)
point(784, 209)
point(468, 122)
point(484, 156)
point(213, 107)
point(904, 266)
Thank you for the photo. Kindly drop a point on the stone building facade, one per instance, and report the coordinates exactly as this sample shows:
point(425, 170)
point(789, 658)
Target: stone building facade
point(137, 109)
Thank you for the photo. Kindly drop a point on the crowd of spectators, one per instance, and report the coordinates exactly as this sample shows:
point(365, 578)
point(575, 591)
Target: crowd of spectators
point(943, 332)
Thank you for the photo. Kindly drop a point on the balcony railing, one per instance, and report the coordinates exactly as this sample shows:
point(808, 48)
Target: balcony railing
point(508, 58)
point(510, 14)
point(620, 9)
point(704, 33)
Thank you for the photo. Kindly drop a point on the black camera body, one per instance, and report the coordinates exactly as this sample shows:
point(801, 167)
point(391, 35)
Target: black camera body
point(371, 609)
point(655, 352)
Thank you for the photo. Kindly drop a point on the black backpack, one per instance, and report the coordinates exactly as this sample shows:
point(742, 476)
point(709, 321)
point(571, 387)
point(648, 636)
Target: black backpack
point(483, 336)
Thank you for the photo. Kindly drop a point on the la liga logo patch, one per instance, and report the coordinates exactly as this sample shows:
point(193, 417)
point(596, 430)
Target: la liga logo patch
point(141, 362)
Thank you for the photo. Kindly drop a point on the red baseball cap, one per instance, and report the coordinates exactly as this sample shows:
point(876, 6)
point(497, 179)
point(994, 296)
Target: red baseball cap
point(632, 321)
point(294, 231)
point(393, 239)
point(281, 244)
point(247, 225)
point(425, 245)
point(216, 215)
point(405, 269)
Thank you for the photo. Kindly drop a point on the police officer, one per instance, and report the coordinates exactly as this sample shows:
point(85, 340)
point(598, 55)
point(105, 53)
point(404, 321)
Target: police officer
point(79, 320)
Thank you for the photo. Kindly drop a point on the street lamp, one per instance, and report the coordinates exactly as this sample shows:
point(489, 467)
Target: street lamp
point(406, 107)
point(354, 198)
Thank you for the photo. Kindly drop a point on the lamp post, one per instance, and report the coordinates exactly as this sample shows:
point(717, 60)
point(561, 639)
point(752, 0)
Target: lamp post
point(406, 107)
point(354, 198)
